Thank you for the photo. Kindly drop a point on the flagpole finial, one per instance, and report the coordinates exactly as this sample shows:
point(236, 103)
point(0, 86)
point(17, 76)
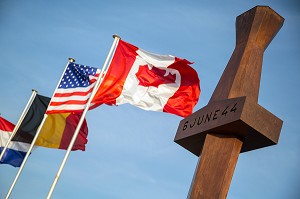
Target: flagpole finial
point(115, 35)
point(33, 90)
point(71, 59)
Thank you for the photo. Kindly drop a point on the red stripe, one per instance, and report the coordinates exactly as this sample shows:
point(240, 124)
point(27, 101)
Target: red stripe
point(69, 102)
point(92, 81)
point(116, 75)
point(6, 125)
point(79, 93)
point(64, 111)
point(71, 124)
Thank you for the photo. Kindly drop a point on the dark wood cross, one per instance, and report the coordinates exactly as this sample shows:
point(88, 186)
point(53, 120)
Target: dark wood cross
point(233, 122)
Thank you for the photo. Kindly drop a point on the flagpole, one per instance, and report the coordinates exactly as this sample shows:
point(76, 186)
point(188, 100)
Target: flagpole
point(32, 97)
point(98, 82)
point(35, 137)
point(106, 64)
point(26, 157)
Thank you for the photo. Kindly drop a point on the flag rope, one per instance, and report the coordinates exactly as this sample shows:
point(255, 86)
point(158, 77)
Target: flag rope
point(98, 83)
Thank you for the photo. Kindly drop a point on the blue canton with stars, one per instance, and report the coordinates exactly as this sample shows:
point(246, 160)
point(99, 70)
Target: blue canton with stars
point(76, 75)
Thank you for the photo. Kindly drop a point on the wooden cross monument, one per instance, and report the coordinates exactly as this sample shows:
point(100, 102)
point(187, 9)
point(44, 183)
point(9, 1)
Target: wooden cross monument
point(233, 121)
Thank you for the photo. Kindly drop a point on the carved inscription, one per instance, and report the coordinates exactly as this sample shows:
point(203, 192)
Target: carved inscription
point(213, 115)
point(210, 116)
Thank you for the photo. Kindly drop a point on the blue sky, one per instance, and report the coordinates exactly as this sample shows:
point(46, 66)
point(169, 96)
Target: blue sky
point(131, 153)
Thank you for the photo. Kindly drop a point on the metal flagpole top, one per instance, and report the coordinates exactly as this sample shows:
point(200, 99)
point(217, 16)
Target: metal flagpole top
point(115, 35)
point(71, 59)
point(33, 90)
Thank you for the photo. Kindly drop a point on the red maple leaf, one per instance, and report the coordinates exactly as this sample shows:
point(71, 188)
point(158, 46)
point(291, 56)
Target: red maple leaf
point(154, 76)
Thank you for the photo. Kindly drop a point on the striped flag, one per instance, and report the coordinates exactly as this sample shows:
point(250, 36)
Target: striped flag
point(32, 120)
point(74, 89)
point(65, 108)
point(59, 129)
point(16, 151)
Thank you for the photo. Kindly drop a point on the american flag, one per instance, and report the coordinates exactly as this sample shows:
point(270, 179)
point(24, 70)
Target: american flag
point(74, 89)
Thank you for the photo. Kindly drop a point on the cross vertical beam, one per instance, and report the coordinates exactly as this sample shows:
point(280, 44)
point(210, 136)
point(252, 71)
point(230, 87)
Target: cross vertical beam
point(233, 121)
point(215, 170)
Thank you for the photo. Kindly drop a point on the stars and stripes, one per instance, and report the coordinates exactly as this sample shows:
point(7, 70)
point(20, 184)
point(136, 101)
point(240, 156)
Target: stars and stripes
point(74, 89)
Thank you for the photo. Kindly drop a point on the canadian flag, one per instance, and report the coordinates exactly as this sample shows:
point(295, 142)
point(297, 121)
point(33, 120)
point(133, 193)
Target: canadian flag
point(149, 81)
